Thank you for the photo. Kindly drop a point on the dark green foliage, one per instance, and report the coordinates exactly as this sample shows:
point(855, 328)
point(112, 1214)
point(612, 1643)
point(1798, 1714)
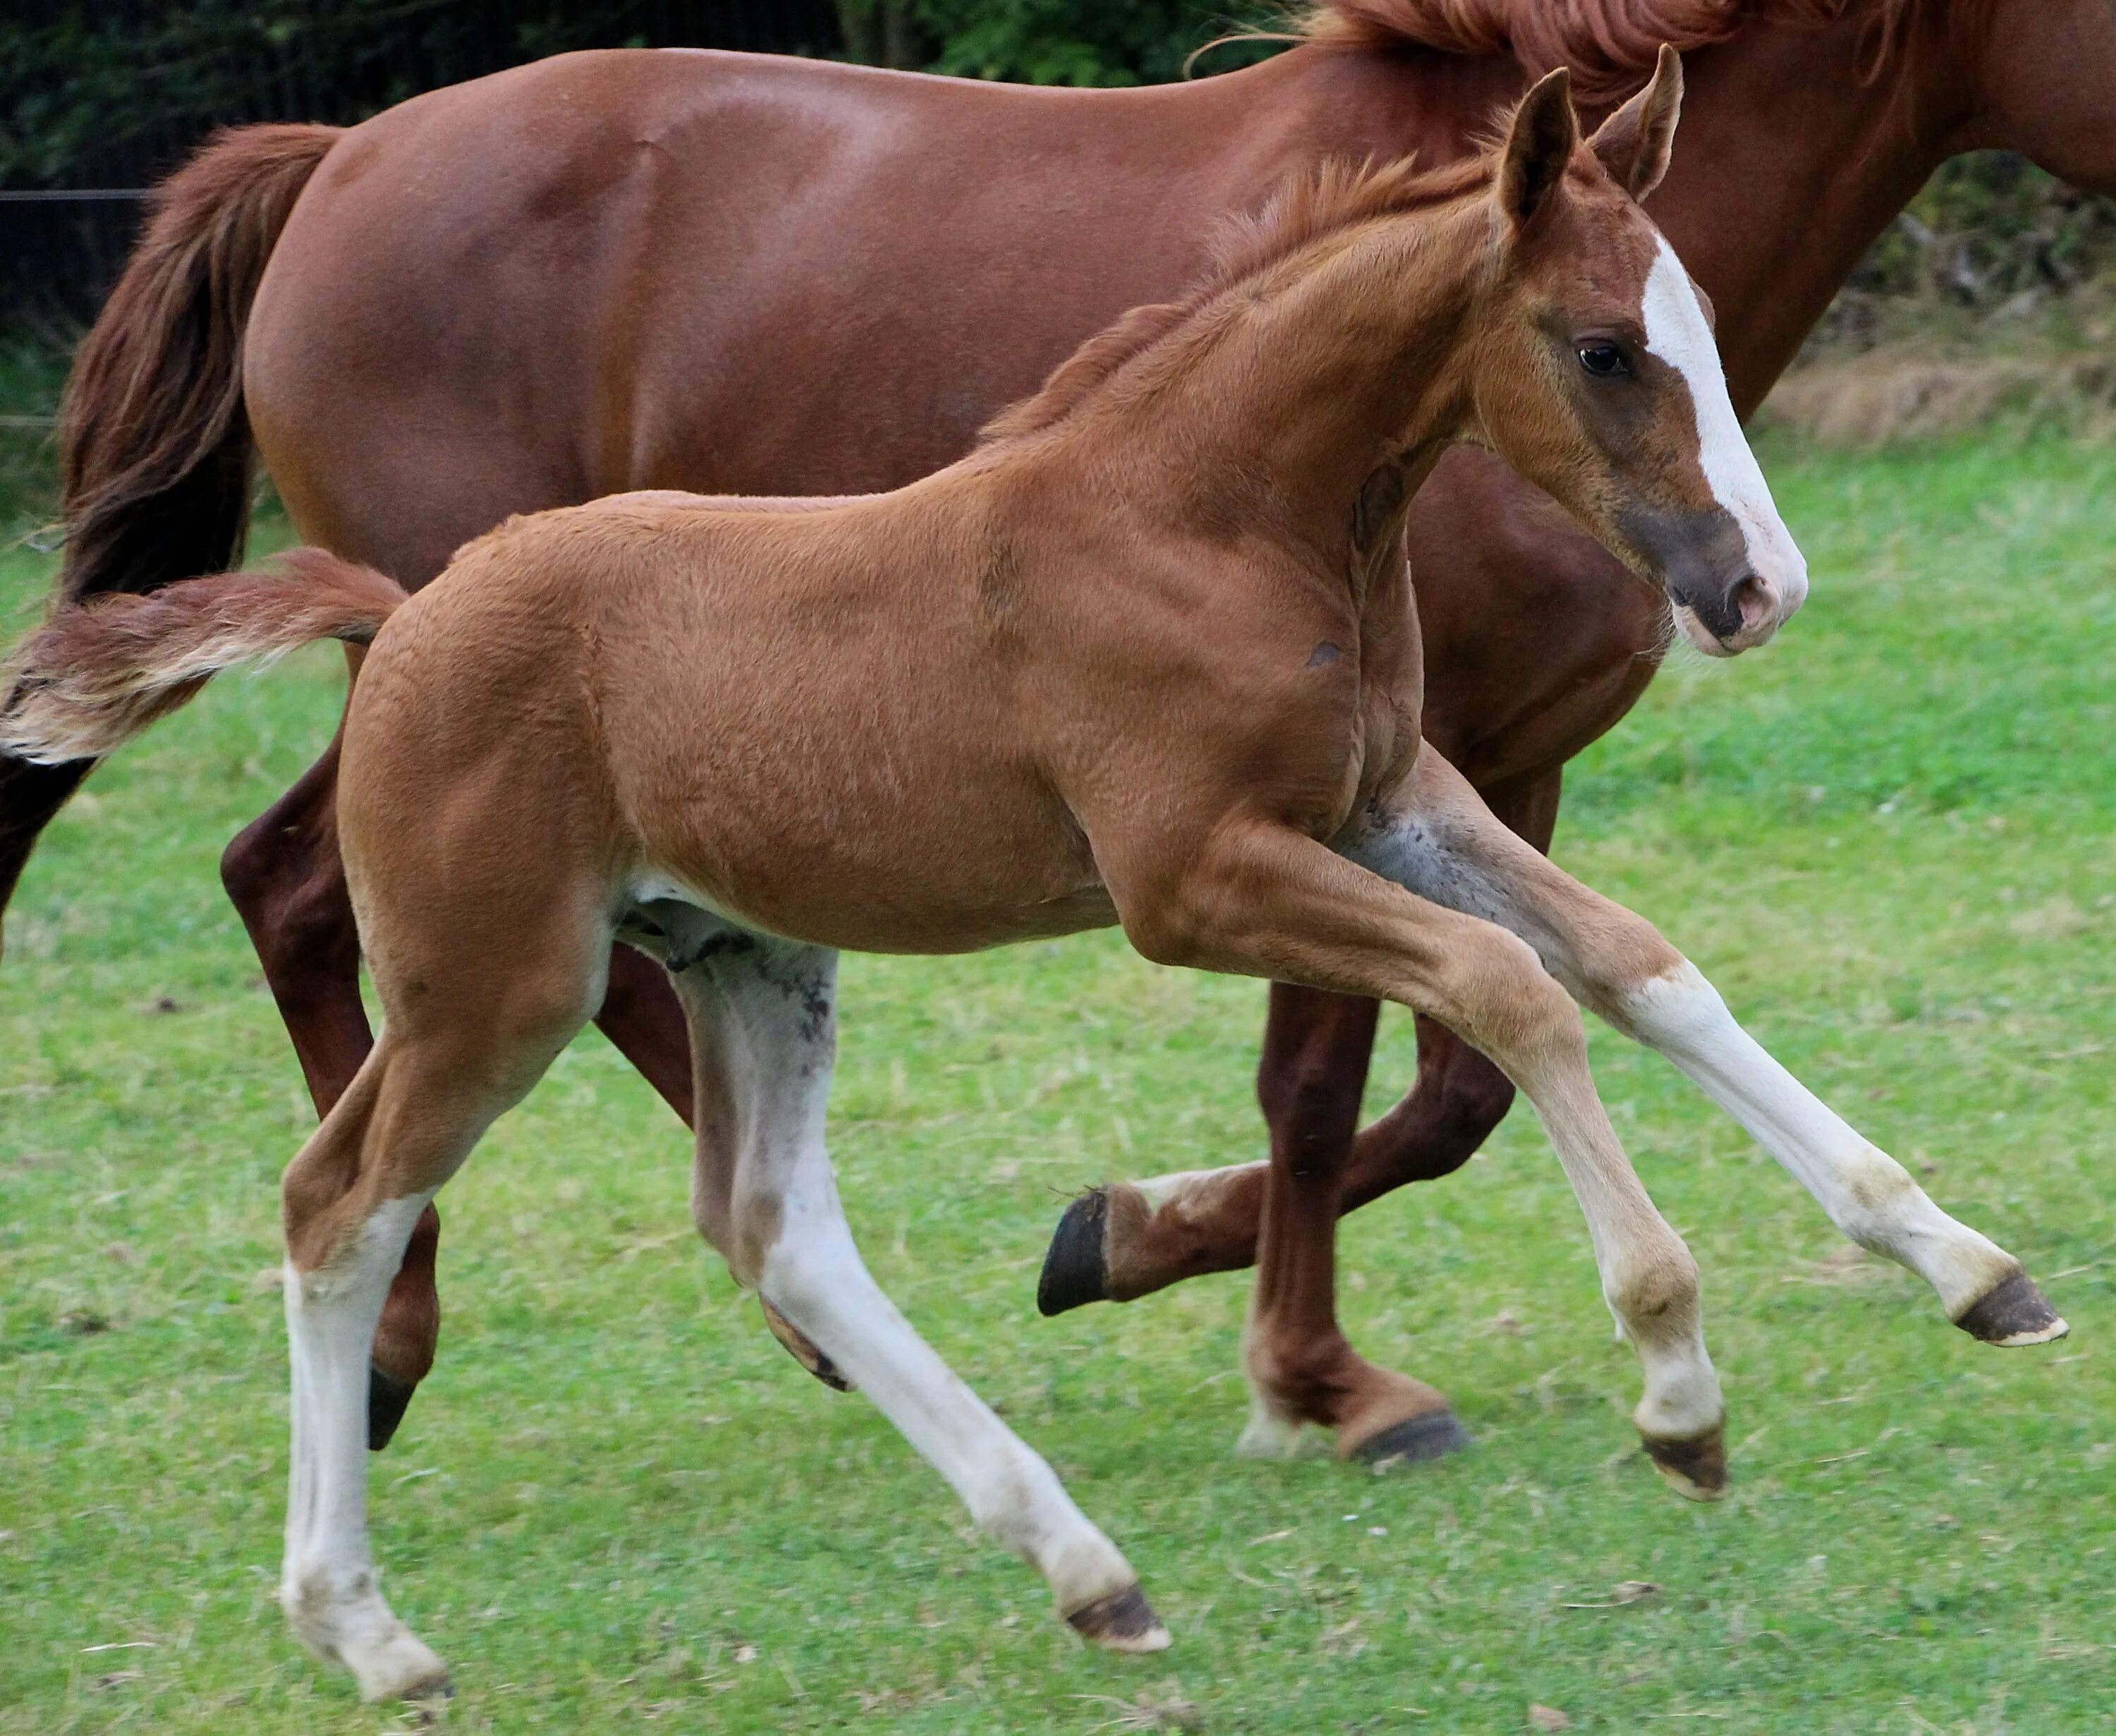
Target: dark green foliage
point(1082, 42)
point(90, 94)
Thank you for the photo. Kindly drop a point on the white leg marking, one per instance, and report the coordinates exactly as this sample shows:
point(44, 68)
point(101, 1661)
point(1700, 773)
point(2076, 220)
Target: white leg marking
point(1867, 1194)
point(329, 1588)
point(772, 1007)
point(1451, 850)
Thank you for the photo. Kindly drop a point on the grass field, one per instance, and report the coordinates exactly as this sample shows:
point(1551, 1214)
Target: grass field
point(619, 1503)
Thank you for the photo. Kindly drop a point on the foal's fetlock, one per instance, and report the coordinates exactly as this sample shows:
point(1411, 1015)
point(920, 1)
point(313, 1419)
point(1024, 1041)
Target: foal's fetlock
point(350, 1624)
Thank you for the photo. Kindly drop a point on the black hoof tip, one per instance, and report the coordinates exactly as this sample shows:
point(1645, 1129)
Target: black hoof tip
point(797, 1346)
point(1124, 1621)
point(2014, 1313)
point(1075, 1272)
point(1414, 1439)
point(388, 1398)
point(1695, 1469)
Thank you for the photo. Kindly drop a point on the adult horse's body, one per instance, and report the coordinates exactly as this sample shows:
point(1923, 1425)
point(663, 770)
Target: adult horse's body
point(1147, 656)
point(613, 271)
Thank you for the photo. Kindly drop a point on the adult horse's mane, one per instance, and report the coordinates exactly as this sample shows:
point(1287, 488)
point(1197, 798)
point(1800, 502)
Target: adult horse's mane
point(1337, 196)
point(1610, 44)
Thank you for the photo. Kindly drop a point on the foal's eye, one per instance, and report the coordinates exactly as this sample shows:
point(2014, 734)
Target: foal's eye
point(1604, 361)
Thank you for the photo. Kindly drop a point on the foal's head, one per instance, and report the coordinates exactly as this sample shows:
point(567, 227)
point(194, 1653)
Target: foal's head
point(1597, 378)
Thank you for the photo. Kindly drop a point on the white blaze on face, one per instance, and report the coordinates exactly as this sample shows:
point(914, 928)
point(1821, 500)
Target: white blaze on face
point(1677, 333)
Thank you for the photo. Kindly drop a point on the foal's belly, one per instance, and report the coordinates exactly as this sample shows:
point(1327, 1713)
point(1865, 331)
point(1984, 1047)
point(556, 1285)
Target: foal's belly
point(955, 858)
point(899, 925)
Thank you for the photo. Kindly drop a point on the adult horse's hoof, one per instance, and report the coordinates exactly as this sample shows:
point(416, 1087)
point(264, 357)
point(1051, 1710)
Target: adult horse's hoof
point(388, 1398)
point(1414, 1440)
point(798, 1348)
point(2014, 1313)
point(1695, 1469)
point(1076, 1269)
point(1124, 1621)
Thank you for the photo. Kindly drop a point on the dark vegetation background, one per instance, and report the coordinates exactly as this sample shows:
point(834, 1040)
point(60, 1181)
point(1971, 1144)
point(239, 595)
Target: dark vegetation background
point(98, 100)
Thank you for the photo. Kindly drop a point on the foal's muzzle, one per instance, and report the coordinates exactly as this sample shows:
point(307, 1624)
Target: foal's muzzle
point(1732, 586)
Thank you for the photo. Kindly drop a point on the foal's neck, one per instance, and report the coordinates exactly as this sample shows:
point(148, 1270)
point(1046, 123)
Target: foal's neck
point(1278, 412)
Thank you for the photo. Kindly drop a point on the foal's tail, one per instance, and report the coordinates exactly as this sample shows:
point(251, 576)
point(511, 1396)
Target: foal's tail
point(94, 676)
point(154, 448)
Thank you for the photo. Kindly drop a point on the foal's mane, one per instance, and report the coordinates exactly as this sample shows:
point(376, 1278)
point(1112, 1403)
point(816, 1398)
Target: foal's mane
point(1610, 44)
point(1337, 196)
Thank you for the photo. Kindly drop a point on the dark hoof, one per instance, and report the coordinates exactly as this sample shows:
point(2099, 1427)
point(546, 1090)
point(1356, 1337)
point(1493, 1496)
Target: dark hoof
point(2014, 1313)
point(388, 1397)
point(1414, 1439)
point(1696, 1470)
point(803, 1352)
point(1075, 1272)
point(1124, 1621)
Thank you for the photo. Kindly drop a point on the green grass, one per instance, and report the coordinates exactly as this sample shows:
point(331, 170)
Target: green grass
point(1889, 839)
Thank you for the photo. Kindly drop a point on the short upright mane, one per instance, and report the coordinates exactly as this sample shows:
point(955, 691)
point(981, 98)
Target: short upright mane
point(1610, 44)
point(1337, 196)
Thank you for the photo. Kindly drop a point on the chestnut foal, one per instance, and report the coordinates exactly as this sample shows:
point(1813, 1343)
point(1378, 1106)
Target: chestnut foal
point(1146, 656)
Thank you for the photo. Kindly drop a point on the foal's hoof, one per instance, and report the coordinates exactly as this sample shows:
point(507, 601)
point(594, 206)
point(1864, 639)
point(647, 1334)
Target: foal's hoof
point(1414, 1439)
point(1076, 1270)
point(1695, 1469)
point(402, 1668)
point(2014, 1313)
point(387, 1399)
point(1124, 1621)
point(803, 1352)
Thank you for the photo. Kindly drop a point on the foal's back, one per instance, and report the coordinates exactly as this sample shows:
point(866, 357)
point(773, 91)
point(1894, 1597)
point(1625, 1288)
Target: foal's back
point(785, 708)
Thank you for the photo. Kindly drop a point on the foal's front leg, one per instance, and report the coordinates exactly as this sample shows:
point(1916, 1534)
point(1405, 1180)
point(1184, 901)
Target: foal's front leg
point(1441, 840)
point(1265, 900)
point(763, 1034)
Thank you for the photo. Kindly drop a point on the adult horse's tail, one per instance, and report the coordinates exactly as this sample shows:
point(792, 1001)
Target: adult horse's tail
point(154, 448)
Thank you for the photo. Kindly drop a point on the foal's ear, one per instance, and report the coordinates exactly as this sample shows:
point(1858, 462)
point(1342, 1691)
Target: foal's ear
point(1634, 142)
point(1538, 147)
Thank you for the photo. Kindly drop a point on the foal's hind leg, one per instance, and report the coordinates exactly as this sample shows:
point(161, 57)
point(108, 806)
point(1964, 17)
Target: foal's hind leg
point(283, 873)
point(762, 1022)
point(436, 1081)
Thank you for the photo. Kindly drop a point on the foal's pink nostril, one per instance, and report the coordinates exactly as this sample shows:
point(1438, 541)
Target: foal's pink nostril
point(1758, 600)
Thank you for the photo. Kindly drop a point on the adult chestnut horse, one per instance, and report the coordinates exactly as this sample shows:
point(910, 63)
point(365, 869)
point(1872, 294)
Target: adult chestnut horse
point(1148, 655)
point(614, 270)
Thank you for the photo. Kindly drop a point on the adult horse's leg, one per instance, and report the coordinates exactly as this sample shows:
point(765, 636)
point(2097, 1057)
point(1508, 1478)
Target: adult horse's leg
point(284, 875)
point(763, 1023)
point(1303, 1372)
point(1128, 1238)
